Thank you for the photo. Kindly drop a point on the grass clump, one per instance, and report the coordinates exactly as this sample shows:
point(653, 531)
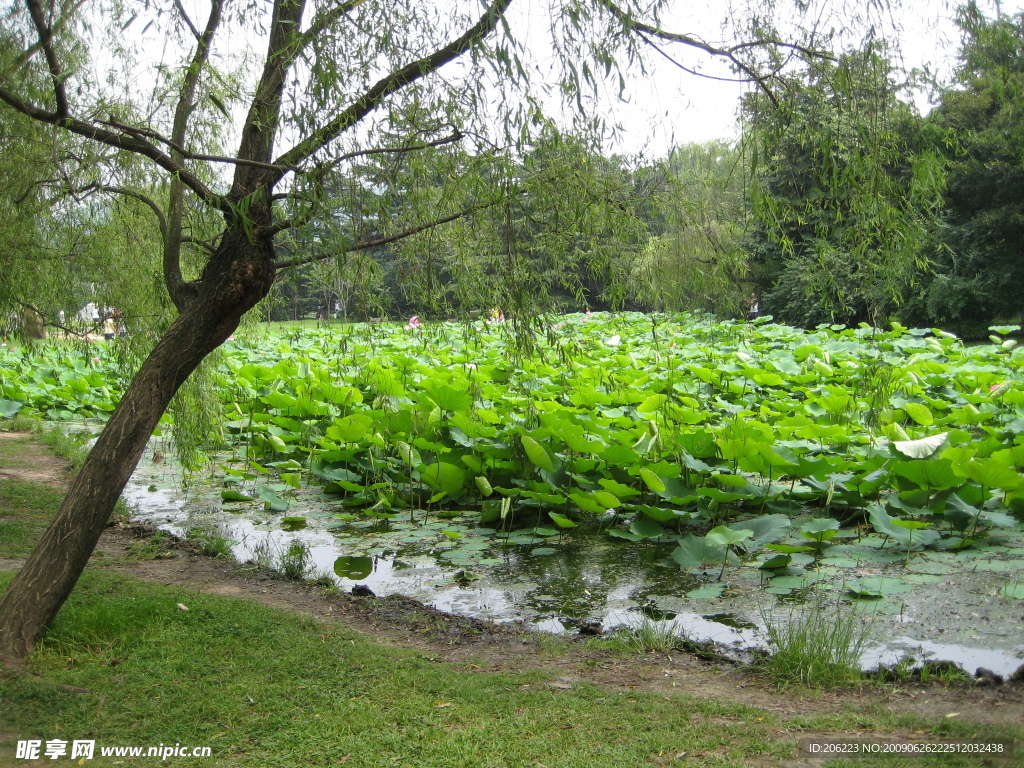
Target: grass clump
point(211, 542)
point(263, 555)
point(651, 636)
point(295, 561)
point(817, 645)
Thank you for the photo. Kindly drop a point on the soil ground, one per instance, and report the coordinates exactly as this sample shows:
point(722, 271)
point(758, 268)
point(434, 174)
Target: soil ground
point(482, 646)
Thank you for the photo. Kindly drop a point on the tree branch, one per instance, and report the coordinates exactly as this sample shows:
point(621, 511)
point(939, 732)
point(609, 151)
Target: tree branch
point(22, 58)
point(751, 76)
point(320, 22)
point(204, 244)
point(393, 82)
point(129, 143)
point(178, 149)
point(727, 53)
point(288, 263)
point(188, 21)
point(45, 34)
point(457, 136)
point(257, 142)
point(186, 102)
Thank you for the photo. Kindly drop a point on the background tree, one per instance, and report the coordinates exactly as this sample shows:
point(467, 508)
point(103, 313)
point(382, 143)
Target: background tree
point(979, 128)
point(845, 194)
point(694, 258)
point(562, 238)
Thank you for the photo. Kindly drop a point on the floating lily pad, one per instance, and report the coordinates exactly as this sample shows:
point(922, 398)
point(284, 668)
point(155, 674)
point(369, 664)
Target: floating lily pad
point(877, 586)
point(923, 578)
point(778, 561)
point(999, 566)
point(708, 592)
point(543, 551)
point(355, 568)
point(1013, 590)
point(790, 582)
point(923, 566)
point(839, 562)
point(461, 554)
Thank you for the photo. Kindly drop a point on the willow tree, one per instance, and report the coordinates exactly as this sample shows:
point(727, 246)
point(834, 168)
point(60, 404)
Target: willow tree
point(694, 259)
point(322, 86)
point(846, 193)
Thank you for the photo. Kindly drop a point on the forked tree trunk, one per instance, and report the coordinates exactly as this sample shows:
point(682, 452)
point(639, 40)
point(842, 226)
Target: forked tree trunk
point(238, 275)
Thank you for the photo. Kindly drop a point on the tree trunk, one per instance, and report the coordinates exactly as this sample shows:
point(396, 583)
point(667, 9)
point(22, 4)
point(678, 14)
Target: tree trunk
point(237, 276)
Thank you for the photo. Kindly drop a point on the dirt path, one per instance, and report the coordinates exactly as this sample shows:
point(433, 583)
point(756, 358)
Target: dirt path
point(32, 462)
point(481, 646)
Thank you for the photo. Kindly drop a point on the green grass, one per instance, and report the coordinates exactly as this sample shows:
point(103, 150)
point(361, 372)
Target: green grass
point(25, 511)
point(816, 645)
point(265, 688)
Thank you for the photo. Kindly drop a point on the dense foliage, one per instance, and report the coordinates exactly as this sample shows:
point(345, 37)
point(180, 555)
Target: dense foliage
point(659, 426)
point(845, 195)
point(976, 263)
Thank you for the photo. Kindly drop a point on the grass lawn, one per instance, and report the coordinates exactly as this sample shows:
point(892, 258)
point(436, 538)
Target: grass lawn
point(25, 511)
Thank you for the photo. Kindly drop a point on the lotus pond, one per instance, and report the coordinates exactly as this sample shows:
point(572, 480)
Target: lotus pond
point(681, 468)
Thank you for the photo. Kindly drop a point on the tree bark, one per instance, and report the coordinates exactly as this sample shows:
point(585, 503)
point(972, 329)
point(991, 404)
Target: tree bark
point(239, 274)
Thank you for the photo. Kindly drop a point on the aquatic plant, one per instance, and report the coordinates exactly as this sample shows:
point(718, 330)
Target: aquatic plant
point(655, 442)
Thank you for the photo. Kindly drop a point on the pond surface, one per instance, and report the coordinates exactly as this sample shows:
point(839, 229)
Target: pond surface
point(943, 605)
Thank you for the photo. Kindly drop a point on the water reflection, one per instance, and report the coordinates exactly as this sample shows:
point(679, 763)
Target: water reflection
point(587, 579)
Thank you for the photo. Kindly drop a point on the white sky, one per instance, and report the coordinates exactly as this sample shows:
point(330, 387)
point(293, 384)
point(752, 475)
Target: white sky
point(672, 107)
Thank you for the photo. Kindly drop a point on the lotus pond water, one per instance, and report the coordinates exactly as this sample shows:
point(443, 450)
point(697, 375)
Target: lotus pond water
point(675, 465)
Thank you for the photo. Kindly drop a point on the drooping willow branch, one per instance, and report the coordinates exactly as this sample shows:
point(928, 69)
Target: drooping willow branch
point(127, 142)
point(303, 218)
point(646, 31)
point(366, 244)
point(395, 81)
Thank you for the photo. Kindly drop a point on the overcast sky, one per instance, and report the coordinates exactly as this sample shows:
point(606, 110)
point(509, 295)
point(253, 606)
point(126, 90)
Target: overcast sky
point(672, 107)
